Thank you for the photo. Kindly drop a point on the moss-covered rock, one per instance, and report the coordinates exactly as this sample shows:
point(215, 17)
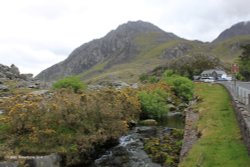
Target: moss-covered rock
point(165, 149)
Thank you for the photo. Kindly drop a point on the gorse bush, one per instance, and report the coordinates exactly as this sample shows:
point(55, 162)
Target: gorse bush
point(182, 86)
point(67, 123)
point(70, 82)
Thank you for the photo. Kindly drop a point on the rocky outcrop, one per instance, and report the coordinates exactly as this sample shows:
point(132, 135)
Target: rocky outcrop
point(11, 78)
point(13, 72)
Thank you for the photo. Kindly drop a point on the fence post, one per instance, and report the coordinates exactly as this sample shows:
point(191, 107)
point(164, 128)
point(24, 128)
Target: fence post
point(248, 103)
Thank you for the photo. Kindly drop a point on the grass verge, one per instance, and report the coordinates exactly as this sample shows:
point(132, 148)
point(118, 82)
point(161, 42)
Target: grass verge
point(221, 144)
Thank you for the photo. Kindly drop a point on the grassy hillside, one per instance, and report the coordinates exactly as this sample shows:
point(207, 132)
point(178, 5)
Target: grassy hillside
point(152, 53)
point(220, 143)
point(229, 50)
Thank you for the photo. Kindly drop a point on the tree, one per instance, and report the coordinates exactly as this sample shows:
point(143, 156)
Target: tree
point(70, 82)
point(182, 86)
point(244, 62)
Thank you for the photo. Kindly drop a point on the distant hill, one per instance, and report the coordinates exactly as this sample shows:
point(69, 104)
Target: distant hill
point(239, 29)
point(227, 45)
point(139, 47)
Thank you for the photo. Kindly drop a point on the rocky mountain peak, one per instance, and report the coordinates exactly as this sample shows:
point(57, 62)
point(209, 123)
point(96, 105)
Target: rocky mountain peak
point(132, 28)
point(117, 47)
point(239, 29)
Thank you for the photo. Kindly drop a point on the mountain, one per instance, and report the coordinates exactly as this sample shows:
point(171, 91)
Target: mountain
point(117, 47)
point(139, 47)
point(227, 45)
point(239, 29)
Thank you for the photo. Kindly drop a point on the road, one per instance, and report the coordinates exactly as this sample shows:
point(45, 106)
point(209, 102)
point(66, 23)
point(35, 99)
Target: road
point(245, 85)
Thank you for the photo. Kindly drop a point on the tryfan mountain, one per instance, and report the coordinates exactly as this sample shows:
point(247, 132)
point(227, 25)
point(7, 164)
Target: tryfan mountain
point(139, 47)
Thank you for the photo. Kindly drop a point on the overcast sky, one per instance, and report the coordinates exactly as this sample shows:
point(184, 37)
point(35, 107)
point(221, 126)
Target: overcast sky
point(35, 34)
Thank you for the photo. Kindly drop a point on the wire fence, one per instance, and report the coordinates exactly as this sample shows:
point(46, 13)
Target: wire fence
point(241, 91)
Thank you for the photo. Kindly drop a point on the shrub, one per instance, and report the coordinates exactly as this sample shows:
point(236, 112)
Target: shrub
point(153, 104)
point(70, 82)
point(67, 123)
point(182, 86)
point(148, 78)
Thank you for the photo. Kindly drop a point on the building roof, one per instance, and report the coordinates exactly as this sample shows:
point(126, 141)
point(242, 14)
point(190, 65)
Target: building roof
point(213, 70)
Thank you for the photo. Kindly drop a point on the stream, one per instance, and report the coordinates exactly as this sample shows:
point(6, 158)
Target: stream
point(129, 152)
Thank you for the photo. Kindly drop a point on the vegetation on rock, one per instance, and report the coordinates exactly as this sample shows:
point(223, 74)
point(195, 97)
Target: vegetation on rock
point(165, 150)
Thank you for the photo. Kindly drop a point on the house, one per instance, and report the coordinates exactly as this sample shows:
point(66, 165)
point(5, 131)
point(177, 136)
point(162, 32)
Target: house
point(216, 74)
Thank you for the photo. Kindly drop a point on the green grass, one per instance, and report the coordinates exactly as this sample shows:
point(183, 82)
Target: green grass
point(227, 51)
point(221, 144)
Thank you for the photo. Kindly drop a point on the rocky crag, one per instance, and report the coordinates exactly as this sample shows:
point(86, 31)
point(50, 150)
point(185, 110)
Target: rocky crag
point(11, 78)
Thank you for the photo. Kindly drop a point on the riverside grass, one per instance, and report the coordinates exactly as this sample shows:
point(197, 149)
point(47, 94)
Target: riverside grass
point(221, 143)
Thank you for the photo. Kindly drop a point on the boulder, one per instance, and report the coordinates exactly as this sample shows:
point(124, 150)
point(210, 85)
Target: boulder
point(146, 131)
point(9, 75)
point(52, 160)
point(2, 80)
point(172, 114)
point(4, 88)
point(132, 124)
point(119, 84)
point(8, 164)
point(26, 77)
point(14, 70)
point(149, 122)
point(39, 92)
point(135, 86)
point(172, 107)
point(2, 75)
point(182, 106)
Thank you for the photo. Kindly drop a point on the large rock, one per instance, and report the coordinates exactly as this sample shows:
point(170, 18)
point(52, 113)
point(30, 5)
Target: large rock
point(146, 131)
point(52, 160)
point(14, 70)
point(149, 122)
point(8, 164)
point(26, 77)
point(4, 88)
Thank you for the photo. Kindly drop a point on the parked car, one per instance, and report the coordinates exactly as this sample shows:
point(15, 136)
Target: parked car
point(222, 79)
point(207, 79)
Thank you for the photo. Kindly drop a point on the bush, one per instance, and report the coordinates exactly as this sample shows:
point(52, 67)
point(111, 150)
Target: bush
point(67, 123)
point(153, 104)
point(70, 82)
point(182, 86)
point(148, 78)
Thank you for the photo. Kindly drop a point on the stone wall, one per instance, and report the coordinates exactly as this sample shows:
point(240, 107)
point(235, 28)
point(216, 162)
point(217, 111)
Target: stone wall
point(190, 131)
point(242, 112)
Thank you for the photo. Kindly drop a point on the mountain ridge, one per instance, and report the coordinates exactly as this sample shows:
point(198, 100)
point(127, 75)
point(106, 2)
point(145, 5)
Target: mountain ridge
point(136, 46)
point(238, 29)
point(118, 46)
